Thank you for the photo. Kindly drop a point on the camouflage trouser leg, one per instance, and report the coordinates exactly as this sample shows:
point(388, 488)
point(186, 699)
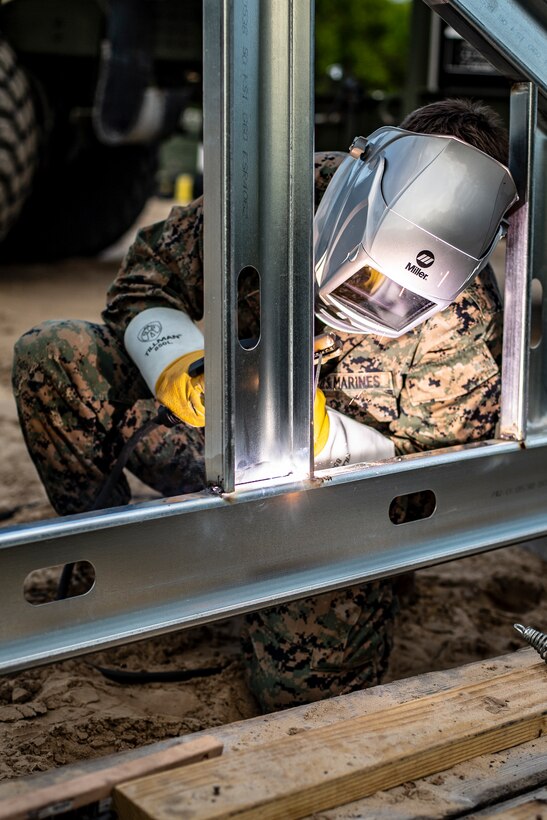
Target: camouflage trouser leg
point(79, 399)
point(322, 646)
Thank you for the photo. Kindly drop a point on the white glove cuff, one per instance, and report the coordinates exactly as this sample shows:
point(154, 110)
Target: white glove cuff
point(350, 442)
point(157, 337)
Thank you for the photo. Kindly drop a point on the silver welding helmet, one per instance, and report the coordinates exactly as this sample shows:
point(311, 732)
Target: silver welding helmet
point(405, 224)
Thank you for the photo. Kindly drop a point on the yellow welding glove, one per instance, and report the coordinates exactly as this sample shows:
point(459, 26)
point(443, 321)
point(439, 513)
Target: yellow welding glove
point(164, 343)
point(321, 424)
point(181, 393)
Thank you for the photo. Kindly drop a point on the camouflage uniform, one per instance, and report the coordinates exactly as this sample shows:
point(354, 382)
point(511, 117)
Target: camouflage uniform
point(80, 398)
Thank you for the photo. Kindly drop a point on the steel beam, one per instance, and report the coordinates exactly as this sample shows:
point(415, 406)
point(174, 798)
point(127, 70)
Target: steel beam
point(258, 126)
point(537, 368)
point(173, 563)
point(511, 34)
point(519, 266)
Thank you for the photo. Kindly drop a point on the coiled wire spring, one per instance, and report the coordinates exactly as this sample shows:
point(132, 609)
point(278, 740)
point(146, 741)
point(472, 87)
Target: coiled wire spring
point(536, 639)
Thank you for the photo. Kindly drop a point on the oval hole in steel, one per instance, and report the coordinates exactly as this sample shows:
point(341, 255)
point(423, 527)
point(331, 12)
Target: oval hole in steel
point(412, 507)
point(536, 317)
point(248, 302)
point(41, 586)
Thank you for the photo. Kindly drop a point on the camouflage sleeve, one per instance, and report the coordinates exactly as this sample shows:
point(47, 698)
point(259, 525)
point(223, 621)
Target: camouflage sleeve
point(451, 391)
point(163, 268)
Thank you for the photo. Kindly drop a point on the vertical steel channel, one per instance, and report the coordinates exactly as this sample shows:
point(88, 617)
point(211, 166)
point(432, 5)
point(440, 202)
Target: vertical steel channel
point(519, 265)
point(537, 400)
point(258, 183)
point(219, 301)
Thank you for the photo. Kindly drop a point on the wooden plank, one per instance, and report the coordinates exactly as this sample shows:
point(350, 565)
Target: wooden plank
point(530, 810)
point(90, 788)
point(483, 781)
point(269, 727)
point(487, 780)
point(266, 728)
point(326, 767)
point(531, 806)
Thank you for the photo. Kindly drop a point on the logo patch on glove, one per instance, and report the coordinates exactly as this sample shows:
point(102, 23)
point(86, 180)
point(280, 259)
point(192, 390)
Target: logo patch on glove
point(149, 332)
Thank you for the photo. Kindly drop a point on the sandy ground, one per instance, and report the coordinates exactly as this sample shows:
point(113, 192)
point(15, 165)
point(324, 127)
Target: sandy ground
point(456, 613)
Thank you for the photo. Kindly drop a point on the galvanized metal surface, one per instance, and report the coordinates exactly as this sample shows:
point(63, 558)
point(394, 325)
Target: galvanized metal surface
point(524, 378)
point(516, 324)
point(537, 382)
point(258, 206)
point(167, 564)
point(511, 34)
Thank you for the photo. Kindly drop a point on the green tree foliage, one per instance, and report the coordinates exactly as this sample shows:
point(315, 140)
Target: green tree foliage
point(368, 38)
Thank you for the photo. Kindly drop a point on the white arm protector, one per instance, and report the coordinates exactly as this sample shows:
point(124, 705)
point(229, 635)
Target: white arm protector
point(350, 442)
point(157, 337)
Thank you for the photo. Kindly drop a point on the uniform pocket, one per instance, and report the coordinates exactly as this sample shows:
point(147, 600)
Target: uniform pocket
point(449, 379)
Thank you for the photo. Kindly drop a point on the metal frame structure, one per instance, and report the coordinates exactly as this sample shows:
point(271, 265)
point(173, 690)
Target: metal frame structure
point(269, 530)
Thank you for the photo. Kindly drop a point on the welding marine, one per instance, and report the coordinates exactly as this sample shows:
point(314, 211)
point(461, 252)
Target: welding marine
point(405, 225)
point(403, 232)
point(387, 258)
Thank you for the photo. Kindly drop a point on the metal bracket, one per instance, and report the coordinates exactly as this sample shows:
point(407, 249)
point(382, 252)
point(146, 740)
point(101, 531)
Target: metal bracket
point(358, 148)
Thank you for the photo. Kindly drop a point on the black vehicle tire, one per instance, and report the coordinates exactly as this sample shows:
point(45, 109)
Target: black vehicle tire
point(86, 198)
point(18, 138)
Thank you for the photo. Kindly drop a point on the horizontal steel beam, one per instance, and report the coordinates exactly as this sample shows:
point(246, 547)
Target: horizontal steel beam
point(172, 563)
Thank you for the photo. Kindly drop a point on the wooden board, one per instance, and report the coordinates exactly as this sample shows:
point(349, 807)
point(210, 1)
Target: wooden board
point(487, 780)
point(530, 810)
point(267, 728)
point(531, 806)
point(90, 788)
point(345, 761)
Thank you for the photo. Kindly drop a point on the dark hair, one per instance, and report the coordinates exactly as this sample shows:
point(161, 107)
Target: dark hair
point(473, 122)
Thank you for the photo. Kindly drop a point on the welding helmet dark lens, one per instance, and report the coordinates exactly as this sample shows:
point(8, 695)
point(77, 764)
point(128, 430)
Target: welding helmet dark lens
point(380, 300)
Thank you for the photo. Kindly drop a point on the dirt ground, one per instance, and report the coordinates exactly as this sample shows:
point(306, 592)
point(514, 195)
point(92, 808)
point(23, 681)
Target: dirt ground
point(453, 614)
